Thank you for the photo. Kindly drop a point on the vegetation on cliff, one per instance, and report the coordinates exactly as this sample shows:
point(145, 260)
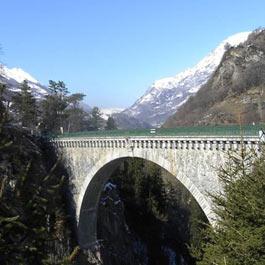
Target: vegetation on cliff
point(34, 226)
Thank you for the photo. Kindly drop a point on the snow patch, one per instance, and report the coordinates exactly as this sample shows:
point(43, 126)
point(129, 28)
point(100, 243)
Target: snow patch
point(109, 186)
point(108, 112)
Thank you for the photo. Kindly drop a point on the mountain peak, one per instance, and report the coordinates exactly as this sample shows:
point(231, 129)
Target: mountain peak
point(17, 74)
point(236, 39)
point(13, 77)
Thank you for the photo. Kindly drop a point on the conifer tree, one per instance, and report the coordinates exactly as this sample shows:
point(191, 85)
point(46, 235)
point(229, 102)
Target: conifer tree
point(25, 107)
point(54, 106)
point(238, 236)
point(32, 207)
point(3, 112)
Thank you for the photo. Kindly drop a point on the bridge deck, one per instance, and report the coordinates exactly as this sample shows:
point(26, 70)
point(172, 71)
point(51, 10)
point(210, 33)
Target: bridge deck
point(224, 130)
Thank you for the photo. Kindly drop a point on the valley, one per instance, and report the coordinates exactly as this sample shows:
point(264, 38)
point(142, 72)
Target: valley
point(175, 179)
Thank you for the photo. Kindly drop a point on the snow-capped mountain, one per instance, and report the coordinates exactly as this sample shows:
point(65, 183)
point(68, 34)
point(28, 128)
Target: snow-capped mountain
point(13, 77)
point(165, 96)
point(107, 112)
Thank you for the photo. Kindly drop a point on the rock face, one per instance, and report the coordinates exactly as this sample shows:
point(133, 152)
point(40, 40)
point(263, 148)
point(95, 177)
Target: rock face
point(165, 96)
point(234, 93)
point(115, 239)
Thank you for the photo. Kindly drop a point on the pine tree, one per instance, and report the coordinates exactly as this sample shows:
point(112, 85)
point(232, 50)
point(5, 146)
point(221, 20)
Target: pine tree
point(25, 107)
point(62, 112)
point(58, 88)
point(54, 106)
point(3, 111)
point(238, 236)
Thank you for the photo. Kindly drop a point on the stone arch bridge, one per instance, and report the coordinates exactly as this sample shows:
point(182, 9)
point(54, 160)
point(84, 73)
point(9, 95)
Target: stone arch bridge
point(193, 160)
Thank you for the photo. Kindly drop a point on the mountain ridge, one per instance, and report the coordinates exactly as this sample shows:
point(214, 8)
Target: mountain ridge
point(234, 93)
point(166, 95)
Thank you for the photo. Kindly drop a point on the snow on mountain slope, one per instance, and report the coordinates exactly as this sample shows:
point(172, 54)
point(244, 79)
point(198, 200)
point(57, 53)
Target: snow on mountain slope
point(165, 96)
point(107, 112)
point(13, 77)
point(17, 74)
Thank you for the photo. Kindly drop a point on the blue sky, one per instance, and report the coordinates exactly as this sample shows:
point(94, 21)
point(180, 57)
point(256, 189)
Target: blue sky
point(112, 50)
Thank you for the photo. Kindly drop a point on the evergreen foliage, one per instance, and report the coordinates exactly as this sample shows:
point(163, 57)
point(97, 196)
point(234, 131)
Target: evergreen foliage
point(76, 118)
point(110, 125)
point(58, 112)
point(3, 113)
point(161, 212)
point(144, 198)
point(238, 236)
point(25, 107)
point(61, 111)
point(34, 227)
point(58, 88)
point(96, 121)
point(54, 106)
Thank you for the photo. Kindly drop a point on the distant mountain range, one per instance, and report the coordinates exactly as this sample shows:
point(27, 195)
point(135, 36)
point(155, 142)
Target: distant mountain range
point(165, 96)
point(163, 99)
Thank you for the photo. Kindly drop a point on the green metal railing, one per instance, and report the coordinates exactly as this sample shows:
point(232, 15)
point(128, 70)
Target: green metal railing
point(220, 130)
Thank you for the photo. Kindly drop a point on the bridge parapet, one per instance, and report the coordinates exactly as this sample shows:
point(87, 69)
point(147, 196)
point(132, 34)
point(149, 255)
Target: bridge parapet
point(199, 143)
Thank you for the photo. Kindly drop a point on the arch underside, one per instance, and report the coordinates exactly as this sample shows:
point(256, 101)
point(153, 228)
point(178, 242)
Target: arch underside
point(89, 195)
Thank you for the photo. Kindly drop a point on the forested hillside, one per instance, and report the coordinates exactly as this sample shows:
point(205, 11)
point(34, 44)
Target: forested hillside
point(147, 217)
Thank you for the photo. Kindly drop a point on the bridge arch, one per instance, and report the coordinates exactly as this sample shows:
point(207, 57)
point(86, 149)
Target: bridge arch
point(89, 195)
point(191, 159)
